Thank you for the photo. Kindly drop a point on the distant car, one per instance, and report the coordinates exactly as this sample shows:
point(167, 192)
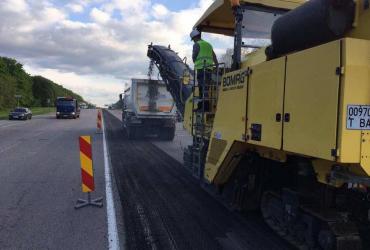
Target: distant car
point(20, 114)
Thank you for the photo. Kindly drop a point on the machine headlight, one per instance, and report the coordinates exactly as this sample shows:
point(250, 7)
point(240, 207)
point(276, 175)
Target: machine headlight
point(58, 113)
point(73, 113)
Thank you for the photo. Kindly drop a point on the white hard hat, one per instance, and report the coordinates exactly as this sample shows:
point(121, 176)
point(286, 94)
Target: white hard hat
point(194, 33)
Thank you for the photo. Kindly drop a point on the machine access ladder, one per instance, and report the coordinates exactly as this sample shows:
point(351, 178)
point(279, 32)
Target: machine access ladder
point(203, 112)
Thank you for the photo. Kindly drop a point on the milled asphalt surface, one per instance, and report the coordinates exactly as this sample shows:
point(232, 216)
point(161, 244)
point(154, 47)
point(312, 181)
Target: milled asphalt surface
point(40, 181)
point(174, 148)
point(164, 207)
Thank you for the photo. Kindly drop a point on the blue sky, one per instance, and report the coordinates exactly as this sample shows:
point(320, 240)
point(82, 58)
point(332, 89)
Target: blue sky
point(176, 5)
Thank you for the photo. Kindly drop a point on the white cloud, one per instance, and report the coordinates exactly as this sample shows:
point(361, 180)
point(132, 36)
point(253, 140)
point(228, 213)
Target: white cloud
point(18, 6)
point(111, 46)
point(99, 16)
point(160, 11)
point(76, 8)
point(52, 15)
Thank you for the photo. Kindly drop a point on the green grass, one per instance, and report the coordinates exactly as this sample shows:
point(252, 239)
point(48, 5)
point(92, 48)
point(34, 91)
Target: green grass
point(35, 111)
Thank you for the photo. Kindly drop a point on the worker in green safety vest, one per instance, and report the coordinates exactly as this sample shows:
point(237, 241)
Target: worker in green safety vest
point(204, 59)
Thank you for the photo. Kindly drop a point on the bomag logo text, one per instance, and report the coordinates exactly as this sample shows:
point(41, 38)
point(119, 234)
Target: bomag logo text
point(234, 81)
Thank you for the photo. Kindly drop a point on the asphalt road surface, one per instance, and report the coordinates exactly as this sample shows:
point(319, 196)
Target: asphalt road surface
point(40, 182)
point(173, 148)
point(164, 207)
point(159, 205)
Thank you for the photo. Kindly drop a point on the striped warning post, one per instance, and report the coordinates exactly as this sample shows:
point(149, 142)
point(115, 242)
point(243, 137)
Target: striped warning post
point(87, 174)
point(87, 171)
point(99, 122)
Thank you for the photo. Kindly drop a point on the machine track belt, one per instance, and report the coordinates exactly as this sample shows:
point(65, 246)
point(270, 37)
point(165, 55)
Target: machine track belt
point(308, 229)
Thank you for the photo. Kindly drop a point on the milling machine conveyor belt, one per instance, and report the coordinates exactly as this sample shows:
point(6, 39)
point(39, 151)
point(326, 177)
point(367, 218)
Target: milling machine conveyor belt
point(172, 68)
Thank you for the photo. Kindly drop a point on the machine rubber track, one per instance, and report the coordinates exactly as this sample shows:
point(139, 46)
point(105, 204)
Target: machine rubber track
point(295, 224)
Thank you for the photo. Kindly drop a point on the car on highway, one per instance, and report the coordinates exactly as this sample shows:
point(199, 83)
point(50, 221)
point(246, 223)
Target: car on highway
point(20, 113)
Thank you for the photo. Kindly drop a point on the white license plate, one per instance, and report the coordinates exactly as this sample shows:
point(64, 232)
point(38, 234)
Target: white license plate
point(358, 117)
point(15, 116)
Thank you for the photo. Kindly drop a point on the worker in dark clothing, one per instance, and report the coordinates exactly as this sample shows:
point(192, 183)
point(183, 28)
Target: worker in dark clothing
point(204, 58)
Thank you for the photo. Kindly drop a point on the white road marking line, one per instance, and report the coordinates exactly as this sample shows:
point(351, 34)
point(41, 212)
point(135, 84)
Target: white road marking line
point(10, 124)
point(14, 123)
point(8, 148)
point(113, 240)
point(19, 142)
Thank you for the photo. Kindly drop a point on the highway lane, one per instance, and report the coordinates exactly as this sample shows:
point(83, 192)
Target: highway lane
point(12, 131)
point(40, 183)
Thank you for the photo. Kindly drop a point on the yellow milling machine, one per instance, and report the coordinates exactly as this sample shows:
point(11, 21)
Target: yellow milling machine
point(289, 133)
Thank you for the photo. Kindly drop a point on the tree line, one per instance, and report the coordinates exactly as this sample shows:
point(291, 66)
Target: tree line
point(36, 91)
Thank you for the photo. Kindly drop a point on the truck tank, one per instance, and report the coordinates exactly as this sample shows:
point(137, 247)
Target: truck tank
point(315, 22)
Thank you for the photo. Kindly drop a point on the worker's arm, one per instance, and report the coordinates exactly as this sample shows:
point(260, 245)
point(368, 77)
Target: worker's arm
point(196, 49)
point(215, 61)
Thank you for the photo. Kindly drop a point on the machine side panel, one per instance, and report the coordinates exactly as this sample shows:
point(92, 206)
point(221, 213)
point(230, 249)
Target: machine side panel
point(365, 152)
point(265, 103)
point(229, 124)
point(311, 101)
point(355, 91)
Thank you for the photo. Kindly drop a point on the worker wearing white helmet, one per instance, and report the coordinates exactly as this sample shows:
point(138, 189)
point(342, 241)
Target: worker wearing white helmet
point(204, 58)
point(203, 53)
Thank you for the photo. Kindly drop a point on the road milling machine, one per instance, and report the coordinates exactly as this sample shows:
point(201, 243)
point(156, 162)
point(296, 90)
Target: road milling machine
point(288, 129)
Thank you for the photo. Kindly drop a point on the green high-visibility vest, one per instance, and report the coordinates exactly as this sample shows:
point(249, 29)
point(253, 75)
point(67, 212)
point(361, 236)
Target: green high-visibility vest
point(205, 55)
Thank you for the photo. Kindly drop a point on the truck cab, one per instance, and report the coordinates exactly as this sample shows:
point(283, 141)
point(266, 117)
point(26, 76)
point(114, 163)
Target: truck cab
point(67, 107)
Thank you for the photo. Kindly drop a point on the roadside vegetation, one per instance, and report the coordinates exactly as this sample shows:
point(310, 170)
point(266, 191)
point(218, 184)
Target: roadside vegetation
point(35, 91)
